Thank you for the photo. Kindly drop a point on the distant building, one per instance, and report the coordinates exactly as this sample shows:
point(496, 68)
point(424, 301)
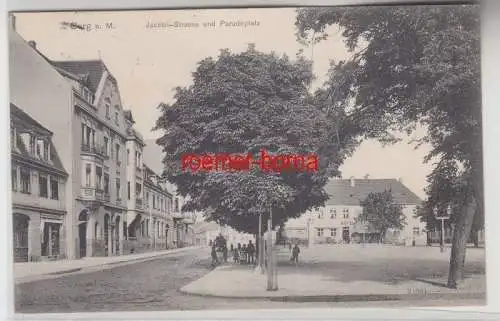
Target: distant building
point(336, 221)
point(180, 230)
point(159, 206)
point(205, 232)
point(38, 191)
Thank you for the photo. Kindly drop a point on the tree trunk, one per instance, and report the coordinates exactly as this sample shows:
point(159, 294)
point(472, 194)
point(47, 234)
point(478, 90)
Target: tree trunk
point(474, 237)
point(461, 234)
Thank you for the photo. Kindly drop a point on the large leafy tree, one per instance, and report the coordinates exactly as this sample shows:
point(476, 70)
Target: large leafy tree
point(242, 103)
point(382, 213)
point(410, 66)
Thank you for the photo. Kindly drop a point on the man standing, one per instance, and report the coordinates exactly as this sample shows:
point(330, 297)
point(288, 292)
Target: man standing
point(251, 252)
point(295, 254)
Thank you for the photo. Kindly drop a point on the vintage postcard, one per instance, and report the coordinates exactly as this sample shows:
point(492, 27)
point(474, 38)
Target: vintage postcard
point(246, 158)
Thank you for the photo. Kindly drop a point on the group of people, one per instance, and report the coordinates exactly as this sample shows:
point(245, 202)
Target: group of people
point(242, 254)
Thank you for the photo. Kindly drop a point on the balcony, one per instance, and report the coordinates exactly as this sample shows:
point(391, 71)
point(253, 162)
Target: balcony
point(96, 150)
point(92, 194)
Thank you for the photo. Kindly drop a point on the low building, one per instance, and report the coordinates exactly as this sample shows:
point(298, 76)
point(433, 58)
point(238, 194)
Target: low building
point(206, 232)
point(336, 221)
point(38, 191)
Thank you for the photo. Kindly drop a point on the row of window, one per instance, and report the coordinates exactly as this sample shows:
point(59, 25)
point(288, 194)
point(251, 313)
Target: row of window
point(320, 232)
point(107, 148)
point(333, 213)
point(159, 228)
point(48, 185)
point(102, 182)
point(158, 202)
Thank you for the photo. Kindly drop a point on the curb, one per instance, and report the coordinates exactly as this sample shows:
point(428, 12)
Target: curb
point(93, 268)
point(343, 297)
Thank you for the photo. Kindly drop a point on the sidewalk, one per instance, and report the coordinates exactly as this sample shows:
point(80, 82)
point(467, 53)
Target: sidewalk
point(347, 277)
point(33, 271)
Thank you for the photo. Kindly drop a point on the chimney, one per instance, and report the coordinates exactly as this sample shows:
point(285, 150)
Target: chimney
point(353, 181)
point(32, 43)
point(367, 176)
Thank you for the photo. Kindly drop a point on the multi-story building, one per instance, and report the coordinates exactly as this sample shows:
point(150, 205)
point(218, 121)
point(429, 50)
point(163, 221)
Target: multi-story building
point(138, 229)
point(80, 103)
point(159, 209)
point(110, 202)
point(38, 191)
point(336, 222)
point(180, 232)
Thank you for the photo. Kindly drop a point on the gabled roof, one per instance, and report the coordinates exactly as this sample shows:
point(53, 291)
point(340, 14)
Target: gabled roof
point(342, 193)
point(22, 151)
point(28, 120)
point(93, 69)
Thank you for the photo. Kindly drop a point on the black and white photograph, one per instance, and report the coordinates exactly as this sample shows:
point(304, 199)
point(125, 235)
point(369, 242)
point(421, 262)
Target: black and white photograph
point(246, 158)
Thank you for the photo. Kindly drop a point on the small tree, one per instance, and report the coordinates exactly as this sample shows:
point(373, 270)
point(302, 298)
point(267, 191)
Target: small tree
point(381, 213)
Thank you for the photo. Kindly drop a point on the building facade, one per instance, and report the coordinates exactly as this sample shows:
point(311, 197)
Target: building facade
point(336, 222)
point(38, 191)
point(107, 181)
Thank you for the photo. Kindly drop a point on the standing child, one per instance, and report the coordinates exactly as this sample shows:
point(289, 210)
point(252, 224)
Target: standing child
point(214, 256)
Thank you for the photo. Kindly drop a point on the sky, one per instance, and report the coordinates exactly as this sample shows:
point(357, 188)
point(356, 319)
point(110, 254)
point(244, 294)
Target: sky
point(149, 63)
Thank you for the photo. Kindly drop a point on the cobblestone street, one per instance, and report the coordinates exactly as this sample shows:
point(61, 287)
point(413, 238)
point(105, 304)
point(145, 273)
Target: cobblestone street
point(153, 285)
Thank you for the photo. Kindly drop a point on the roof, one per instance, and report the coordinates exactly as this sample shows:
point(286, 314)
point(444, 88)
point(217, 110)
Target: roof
point(342, 193)
point(94, 69)
point(26, 120)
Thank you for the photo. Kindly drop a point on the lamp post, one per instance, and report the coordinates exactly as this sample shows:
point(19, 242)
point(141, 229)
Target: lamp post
point(309, 232)
point(442, 219)
point(166, 235)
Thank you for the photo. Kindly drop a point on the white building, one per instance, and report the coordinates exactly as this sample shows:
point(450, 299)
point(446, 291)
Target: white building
point(336, 221)
point(205, 232)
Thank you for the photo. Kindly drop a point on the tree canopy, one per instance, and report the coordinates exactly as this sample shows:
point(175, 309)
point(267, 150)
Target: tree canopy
point(381, 212)
point(242, 103)
point(410, 66)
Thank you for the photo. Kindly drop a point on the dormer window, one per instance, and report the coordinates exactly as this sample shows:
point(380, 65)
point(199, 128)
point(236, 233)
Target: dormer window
point(42, 149)
point(87, 94)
